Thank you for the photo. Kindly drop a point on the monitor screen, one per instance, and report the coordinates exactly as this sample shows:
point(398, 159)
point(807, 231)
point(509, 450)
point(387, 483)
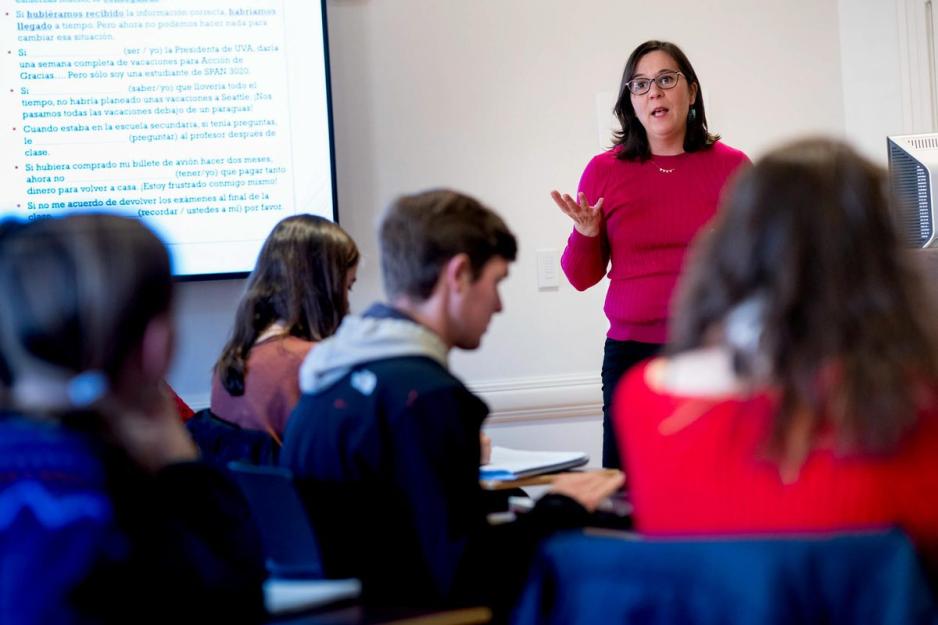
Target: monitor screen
point(208, 120)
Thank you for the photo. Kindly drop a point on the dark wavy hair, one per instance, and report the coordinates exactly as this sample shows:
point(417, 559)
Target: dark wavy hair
point(299, 280)
point(77, 292)
point(631, 137)
point(845, 329)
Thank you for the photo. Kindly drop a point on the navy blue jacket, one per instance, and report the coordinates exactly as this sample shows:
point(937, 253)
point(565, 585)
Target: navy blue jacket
point(387, 461)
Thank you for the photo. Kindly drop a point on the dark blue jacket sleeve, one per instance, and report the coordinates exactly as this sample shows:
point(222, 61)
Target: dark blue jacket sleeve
point(470, 561)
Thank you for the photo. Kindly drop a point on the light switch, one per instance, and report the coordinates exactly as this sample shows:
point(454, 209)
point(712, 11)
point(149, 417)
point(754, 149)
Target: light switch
point(548, 269)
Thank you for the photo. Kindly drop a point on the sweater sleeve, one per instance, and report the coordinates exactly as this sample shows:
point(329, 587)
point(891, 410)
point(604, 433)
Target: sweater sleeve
point(585, 259)
point(440, 478)
point(469, 560)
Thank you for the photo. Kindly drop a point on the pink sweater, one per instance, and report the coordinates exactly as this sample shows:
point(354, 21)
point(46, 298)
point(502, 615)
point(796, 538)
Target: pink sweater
point(650, 219)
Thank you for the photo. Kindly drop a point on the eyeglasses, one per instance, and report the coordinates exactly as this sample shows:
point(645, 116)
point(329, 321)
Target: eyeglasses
point(665, 80)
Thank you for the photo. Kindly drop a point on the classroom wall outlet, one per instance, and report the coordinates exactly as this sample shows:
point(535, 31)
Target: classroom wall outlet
point(548, 270)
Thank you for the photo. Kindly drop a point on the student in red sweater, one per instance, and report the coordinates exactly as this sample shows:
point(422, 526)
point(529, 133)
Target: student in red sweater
point(799, 390)
point(295, 297)
point(641, 203)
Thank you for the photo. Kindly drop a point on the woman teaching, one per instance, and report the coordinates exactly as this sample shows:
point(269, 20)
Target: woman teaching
point(640, 204)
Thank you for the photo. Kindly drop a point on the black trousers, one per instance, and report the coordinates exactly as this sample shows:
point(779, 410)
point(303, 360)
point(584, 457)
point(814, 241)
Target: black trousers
point(618, 357)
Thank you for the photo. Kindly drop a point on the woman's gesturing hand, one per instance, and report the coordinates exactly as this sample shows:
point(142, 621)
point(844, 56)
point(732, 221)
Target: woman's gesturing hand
point(586, 219)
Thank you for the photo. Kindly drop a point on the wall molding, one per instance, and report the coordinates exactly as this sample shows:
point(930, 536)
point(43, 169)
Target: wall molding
point(540, 398)
point(518, 400)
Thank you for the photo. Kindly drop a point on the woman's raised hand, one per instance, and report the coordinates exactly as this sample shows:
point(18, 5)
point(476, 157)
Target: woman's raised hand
point(587, 220)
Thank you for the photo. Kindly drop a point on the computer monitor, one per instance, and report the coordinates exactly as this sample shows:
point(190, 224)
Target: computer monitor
point(913, 163)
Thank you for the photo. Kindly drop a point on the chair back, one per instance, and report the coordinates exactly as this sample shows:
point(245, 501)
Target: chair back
point(855, 578)
point(221, 442)
point(290, 546)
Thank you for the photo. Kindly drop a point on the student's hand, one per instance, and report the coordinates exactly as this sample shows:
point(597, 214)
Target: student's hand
point(587, 220)
point(485, 443)
point(589, 488)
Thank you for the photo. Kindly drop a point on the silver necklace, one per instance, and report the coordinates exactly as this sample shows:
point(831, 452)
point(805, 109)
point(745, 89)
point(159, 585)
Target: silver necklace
point(663, 170)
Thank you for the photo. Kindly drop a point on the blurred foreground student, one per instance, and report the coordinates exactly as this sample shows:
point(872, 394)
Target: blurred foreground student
point(104, 514)
point(385, 440)
point(799, 393)
point(296, 296)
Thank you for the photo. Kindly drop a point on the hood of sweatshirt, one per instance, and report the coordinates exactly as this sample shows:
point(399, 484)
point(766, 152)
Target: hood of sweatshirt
point(380, 333)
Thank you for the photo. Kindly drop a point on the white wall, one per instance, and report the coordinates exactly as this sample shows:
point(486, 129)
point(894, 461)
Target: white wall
point(499, 98)
point(871, 68)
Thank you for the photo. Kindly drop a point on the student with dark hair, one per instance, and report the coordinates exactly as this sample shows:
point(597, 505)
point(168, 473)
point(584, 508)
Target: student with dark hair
point(295, 297)
point(105, 515)
point(385, 440)
point(799, 390)
point(641, 203)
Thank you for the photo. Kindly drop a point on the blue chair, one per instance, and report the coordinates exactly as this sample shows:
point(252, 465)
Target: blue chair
point(293, 559)
point(852, 578)
point(290, 546)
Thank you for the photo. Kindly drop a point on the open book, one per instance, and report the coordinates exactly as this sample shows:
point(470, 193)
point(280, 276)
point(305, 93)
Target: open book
point(512, 464)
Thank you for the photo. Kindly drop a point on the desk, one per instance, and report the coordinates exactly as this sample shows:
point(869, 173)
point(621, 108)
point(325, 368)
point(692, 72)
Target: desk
point(613, 513)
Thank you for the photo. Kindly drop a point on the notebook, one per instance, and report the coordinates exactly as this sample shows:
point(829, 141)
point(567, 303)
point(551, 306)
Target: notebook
point(513, 464)
point(289, 595)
